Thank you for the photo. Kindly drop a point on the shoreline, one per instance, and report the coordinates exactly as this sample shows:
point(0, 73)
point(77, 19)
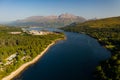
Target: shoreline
point(25, 65)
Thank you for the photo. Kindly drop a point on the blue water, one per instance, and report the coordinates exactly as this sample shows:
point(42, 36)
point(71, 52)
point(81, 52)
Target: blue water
point(72, 59)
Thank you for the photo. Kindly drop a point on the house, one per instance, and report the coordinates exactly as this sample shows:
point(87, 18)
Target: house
point(12, 57)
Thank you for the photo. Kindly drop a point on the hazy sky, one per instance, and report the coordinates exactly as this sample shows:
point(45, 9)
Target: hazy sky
point(19, 9)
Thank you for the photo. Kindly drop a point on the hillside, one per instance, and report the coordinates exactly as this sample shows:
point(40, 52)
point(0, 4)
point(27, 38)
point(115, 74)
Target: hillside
point(49, 21)
point(107, 32)
point(106, 22)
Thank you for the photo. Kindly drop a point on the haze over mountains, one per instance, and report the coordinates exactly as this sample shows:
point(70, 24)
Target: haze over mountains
point(49, 21)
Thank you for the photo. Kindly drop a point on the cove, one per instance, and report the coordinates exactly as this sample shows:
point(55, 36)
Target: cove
point(71, 59)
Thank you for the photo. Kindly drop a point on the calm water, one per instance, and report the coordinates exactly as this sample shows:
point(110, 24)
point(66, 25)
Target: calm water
point(72, 59)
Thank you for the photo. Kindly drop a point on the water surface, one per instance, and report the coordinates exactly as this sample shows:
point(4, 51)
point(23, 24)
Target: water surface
point(72, 59)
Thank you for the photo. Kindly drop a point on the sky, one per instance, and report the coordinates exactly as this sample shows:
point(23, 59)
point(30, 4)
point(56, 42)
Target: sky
point(11, 10)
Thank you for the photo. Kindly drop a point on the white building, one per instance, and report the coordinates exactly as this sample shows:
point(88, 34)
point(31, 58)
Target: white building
point(12, 57)
point(35, 32)
point(15, 32)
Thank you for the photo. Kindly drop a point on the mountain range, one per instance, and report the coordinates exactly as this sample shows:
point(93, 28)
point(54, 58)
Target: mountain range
point(49, 21)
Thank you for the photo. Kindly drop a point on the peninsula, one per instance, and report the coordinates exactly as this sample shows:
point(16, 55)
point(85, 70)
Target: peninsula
point(20, 49)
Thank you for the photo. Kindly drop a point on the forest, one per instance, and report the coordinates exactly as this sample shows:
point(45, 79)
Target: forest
point(17, 49)
point(107, 32)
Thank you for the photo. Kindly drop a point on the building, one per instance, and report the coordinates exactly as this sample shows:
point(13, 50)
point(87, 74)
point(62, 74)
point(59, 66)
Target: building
point(35, 32)
point(15, 32)
point(12, 57)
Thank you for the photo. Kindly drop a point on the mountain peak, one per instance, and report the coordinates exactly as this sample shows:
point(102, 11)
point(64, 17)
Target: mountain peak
point(67, 15)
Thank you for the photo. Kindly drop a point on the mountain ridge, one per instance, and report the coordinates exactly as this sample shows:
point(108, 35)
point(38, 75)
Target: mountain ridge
point(49, 21)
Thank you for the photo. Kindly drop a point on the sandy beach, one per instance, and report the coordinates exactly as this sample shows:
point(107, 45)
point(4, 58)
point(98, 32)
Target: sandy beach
point(22, 67)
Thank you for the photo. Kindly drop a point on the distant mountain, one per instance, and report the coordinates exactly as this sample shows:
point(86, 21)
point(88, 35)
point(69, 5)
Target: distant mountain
point(49, 21)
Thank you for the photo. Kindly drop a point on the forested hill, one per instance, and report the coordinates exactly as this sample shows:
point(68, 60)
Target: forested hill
point(106, 22)
point(107, 32)
point(5, 29)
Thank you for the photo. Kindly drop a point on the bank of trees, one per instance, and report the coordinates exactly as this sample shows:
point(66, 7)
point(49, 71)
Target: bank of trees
point(25, 46)
point(107, 31)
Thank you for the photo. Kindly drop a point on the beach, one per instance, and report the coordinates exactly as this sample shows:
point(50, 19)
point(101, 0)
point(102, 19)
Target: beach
point(25, 65)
